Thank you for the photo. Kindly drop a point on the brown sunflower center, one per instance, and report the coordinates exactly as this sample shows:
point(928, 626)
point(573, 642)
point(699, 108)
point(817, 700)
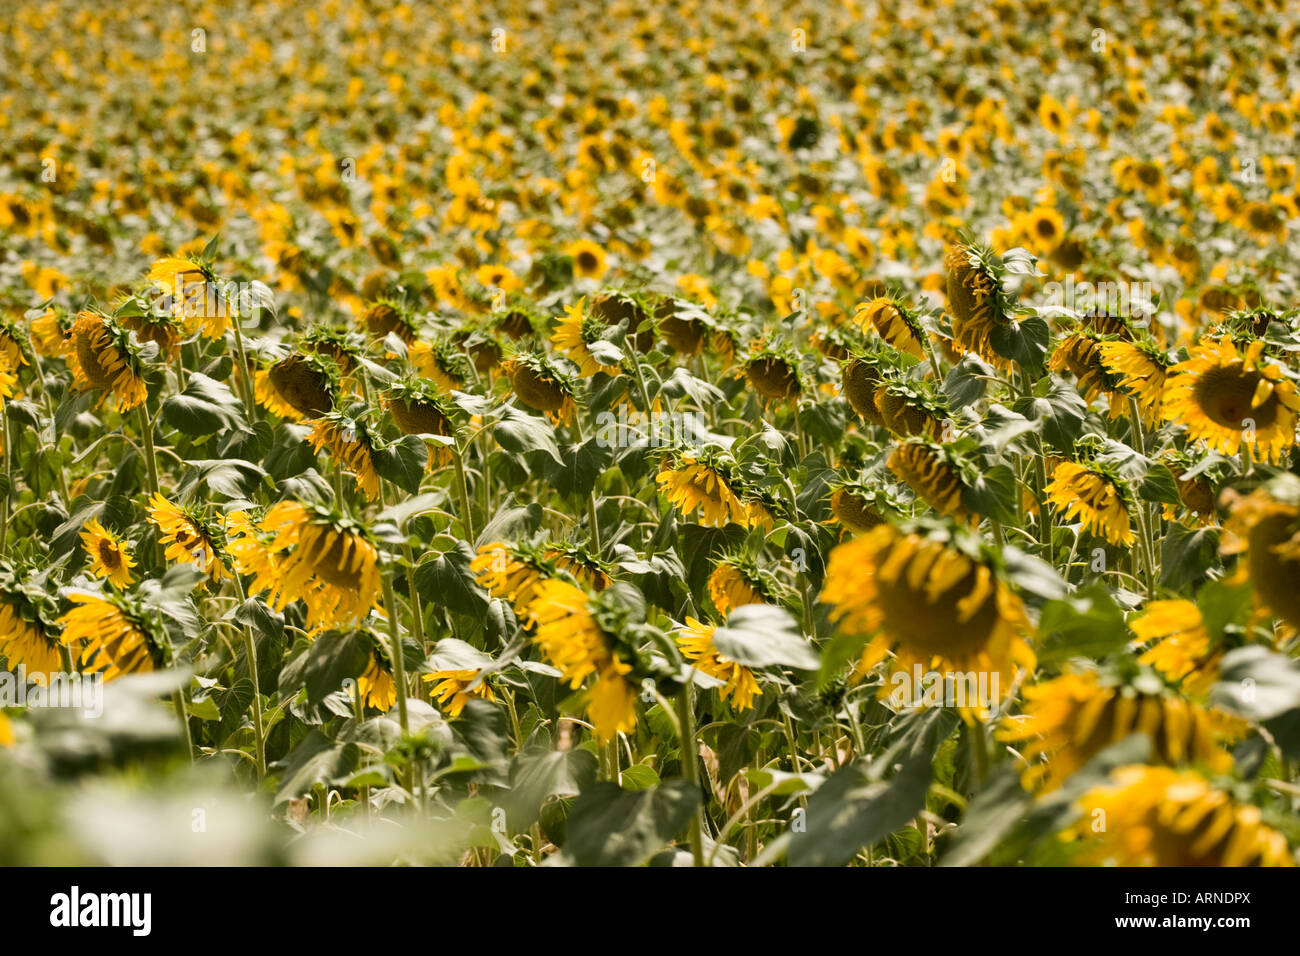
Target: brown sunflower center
point(536, 391)
point(419, 418)
point(773, 378)
point(328, 561)
point(91, 350)
point(108, 555)
point(930, 625)
point(302, 386)
point(1224, 395)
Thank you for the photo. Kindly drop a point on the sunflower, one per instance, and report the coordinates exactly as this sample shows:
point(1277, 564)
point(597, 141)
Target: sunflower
point(541, 387)
point(583, 566)
point(1140, 370)
point(383, 318)
point(196, 294)
point(508, 573)
point(109, 557)
point(1070, 719)
point(974, 300)
point(696, 643)
point(342, 347)
point(24, 640)
point(1265, 525)
point(442, 362)
point(571, 639)
point(734, 583)
point(418, 409)
point(303, 385)
point(855, 511)
point(376, 686)
point(101, 358)
point(861, 379)
point(350, 446)
point(910, 408)
point(933, 603)
point(251, 551)
point(1081, 354)
point(574, 336)
point(588, 259)
point(1098, 499)
point(452, 690)
point(692, 484)
point(327, 561)
point(187, 536)
point(932, 473)
point(1232, 400)
point(1197, 493)
point(1180, 647)
point(116, 640)
point(893, 323)
point(8, 381)
point(1158, 816)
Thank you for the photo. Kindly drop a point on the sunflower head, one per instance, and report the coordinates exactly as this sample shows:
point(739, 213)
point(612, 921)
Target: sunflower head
point(858, 507)
point(1081, 353)
point(1266, 526)
point(710, 481)
point(583, 339)
point(1233, 399)
point(189, 537)
point(1094, 493)
point(350, 445)
point(976, 300)
point(773, 371)
point(28, 636)
point(388, 317)
point(632, 311)
point(894, 322)
point(104, 359)
point(541, 386)
point(418, 408)
point(1139, 370)
point(115, 636)
point(338, 344)
point(737, 580)
point(581, 564)
point(109, 556)
point(304, 385)
point(911, 407)
point(695, 640)
point(938, 474)
point(683, 325)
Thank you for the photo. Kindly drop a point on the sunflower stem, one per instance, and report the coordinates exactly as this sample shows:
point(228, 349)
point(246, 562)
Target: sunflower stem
point(9, 481)
point(636, 367)
point(395, 637)
point(462, 493)
point(178, 703)
point(690, 762)
point(245, 386)
point(250, 651)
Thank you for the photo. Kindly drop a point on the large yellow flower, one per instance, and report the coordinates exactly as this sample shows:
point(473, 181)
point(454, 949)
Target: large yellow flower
point(507, 574)
point(325, 561)
point(972, 291)
point(349, 445)
point(934, 606)
point(24, 642)
point(694, 484)
point(892, 324)
point(101, 360)
point(588, 259)
point(1179, 644)
point(376, 685)
point(730, 586)
point(1157, 816)
point(929, 472)
point(1230, 399)
point(109, 557)
point(1094, 499)
point(187, 538)
point(573, 336)
point(1267, 529)
point(116, 643)
point(197, 298)
point(452, 691)
point(1072, 718)
point(1142, 369)
point(1082, 355)
point(570, 638)
point(696, 643)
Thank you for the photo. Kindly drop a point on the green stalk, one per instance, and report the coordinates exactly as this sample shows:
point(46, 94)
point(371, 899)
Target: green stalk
point(9, 481)
point(245, 385)
point(395, 637)
point(690, 763)
point(250, 651)
point(462, 493)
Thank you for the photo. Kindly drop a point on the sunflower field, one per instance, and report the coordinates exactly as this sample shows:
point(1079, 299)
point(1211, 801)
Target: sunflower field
point(702, 434)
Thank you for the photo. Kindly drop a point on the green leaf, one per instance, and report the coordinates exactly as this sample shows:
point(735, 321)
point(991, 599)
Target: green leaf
point(1086, 624)
point(403, 462)
point(993, 494)
point(1187, 555)
point(609, 827)
point(205, 407)
point(330, 659)
point(1158, 485)
point(518, 432)
point(230, 477)
point(1024, 342)
point(638, 777)
point(761, 635)
point(317, 760)
point(447, 581)
point(967, 381)
point(580, 466)
point(1062, 412)
point(539, 775)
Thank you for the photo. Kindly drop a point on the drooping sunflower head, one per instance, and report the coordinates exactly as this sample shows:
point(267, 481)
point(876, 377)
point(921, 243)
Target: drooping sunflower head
point(443, 361)
point(861, 376)
point(683, 325)
point(1233, 400)
point(15, 347)
point(936, 600)
point(938, 476)
point(709, 481)
point(350, 445)
point(188, 537)
point(327, 560)
point(1094, 494)
point(193, 294)
point(104, 359)
point(572, 632)
point(910, 407)
point(858, 506)
point(1070, 719)
point(419, 408)
point(1139, 369)
point(483, 346)
point(541, 386)
point(633, 311)
point(1177, 645)
point(1159, 816)
point(975, 299)
point(579, 562)
point(894, 322)
point(338, 344)
point(583, 340)
point(304, 385)
point(52, 333)
point(510, 572)
point(736, 580)
point(115, 636)
point(1082, 354)
point(376, 685)
point(1197, 478)
point(150, 324)
point(1265, 525)
point(27, 638)
point(251, 550)
point(695, 640)
point(773, 371)
point(388, 317)
point(109, 556)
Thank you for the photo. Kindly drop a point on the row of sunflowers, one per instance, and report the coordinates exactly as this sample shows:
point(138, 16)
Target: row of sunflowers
point(718, 434)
